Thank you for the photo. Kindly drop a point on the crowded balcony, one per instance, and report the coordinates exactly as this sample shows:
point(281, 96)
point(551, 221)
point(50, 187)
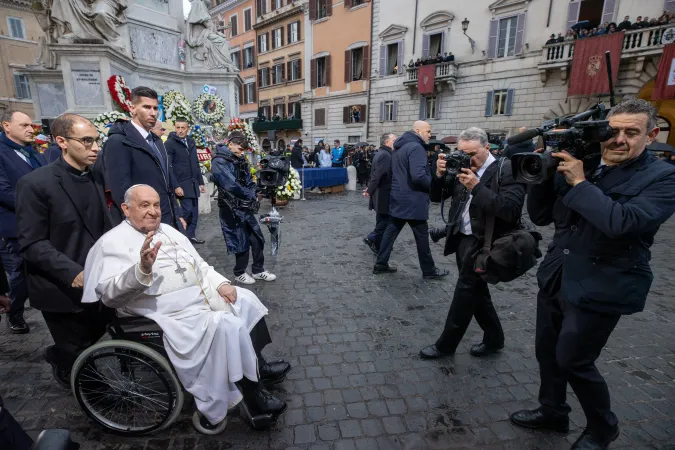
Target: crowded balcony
point(445, 74)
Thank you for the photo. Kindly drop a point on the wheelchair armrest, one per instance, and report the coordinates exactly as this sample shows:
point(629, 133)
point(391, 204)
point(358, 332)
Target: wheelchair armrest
point(56, 439)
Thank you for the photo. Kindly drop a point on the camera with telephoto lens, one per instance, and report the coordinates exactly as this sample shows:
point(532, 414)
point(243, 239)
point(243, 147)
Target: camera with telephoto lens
point(576, 135)
point(273, 171)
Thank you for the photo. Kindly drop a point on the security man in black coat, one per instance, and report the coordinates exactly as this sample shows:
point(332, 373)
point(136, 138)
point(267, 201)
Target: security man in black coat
point(486, 189)
point(134, 155)
point(378, 190)
point(61, 211)
point(597, 267)
point(182, 152)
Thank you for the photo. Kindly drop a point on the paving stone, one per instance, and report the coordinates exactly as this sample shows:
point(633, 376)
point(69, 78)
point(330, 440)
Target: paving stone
point(329, 432)
point(304, 434)
point(350, 428)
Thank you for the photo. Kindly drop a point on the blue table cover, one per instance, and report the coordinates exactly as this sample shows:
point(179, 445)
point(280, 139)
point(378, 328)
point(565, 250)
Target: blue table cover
point(323, 177)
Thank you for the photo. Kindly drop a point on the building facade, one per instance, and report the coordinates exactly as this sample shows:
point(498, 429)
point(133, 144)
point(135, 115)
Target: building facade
point(239, 17)
point(280, 33)
point(338, 49)
point(19, 35)
point(503, 75)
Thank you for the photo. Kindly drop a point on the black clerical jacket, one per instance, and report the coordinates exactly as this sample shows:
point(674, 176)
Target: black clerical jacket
point(56, 231)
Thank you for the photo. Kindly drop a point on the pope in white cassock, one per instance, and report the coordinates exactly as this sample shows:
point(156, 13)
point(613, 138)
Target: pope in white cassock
point(213, 332)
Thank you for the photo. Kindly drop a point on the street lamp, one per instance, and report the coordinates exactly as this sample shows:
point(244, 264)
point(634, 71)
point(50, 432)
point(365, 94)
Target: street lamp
point(465, 26)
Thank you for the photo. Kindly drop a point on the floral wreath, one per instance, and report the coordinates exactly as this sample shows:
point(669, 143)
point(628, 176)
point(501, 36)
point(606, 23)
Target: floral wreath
point(105, 120)
point(292, 186)
point(177, 106)
point(212, 116)
point(120, 92)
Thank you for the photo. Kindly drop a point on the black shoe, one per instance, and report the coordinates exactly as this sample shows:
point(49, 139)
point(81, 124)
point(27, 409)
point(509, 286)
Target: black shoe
point(384, 268)
point(18, 326)
point(61, 374)
point(437, 273)
point(538, 419)
point(273, 372)
point(194, 240)
point(593, 441)
point(482, 349)
point(431, 352)
point(436, 234)
point(371, 244)
point(266, 403)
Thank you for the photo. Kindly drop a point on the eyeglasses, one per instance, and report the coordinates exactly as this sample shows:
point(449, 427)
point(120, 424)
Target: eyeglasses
point(88, 142)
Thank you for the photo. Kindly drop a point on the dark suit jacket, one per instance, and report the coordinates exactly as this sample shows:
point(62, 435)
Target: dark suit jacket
point(296, 157)
point(604, 228)
point(379, 185)
point(185, 164)
point(126, 160)
point(53, 152)
point(54, 236)
point(506, 204)
point(410, 179)
point(12, 168)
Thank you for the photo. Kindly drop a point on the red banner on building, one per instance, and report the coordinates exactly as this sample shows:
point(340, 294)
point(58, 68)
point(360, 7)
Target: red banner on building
point(425, 79)
point(589, 68)
point(664, 86)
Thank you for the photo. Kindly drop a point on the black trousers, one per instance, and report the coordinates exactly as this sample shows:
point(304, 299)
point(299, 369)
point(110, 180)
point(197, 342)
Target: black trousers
point(381, 223)
point(470, 300)
point(420, 230)
point(568, 341)
point(12, 436)
point(74, 332)
point(260, 337)
point(241, 259)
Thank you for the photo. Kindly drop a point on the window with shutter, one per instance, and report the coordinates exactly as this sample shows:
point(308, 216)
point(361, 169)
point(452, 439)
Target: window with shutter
point(499, 101)
point(400, 57)
point(423, 108)
point(22, 86)
point(233, 25)
point(319, 117)
point(383, 60)
point(299, 32)
point(259, 8)
point(362, 110)
point(329, 7)
point(247, 20)
point(242, 92)
point(510, 94)
point(573, 13)
point(608, 11)
point(489, 100)
point(16, 28)
point(253, 93)
point(312, 10)
point(493, 35)
point(382, 113)
point(425, 45)
point(327, 70)
point(313, 73)
point(395, 112)
point(366, 63)
point(348, 66)
point(283, 73)
point(345, 114)
point(506, 42)
point(520, 33)
point(281, 32)
point(273, 5)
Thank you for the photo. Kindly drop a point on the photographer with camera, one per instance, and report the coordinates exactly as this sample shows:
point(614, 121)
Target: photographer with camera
point(238, 204)
point(476, 195)
point(597, 267)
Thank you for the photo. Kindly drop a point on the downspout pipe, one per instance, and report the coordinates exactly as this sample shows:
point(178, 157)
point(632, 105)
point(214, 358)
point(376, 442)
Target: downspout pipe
point(372, 52)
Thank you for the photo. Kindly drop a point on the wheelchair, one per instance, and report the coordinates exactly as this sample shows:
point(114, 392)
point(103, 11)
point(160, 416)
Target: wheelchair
point(128, 386)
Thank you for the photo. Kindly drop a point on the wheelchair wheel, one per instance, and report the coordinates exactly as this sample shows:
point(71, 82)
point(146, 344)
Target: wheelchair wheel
point(126, 387)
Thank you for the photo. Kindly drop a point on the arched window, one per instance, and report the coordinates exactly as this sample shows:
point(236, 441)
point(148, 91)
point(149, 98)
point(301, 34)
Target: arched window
point(281, 145)
point(266, 145)
point(664, 125)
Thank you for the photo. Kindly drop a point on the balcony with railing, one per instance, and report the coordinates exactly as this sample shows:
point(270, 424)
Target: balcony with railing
point(283, 124)
point(446, 73)
point(636, 44)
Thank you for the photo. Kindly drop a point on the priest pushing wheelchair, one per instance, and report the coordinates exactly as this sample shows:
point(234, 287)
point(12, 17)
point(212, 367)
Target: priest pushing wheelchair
point(181, 327)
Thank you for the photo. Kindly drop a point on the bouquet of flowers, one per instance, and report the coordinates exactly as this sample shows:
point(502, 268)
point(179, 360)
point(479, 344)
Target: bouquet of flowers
point(292, 186)
point(177, 106)
point(244, 127)
point(120, 92)
point(105, 120)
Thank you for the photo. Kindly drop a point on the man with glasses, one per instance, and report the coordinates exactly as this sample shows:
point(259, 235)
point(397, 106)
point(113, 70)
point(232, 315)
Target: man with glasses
point(17, 158)
point(597, 267)
point(61, 212)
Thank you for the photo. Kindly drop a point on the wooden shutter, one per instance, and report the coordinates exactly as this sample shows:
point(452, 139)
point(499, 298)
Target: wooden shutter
point(247, 19)
point(423, 108)
point(401, 62)
point(382, 111)
point(242, 91)
point(269, 76)
point(273, 5)
point(281, 31)
point(345, 114)
point(573, 14)
point(240, 57)
point(348, 66)
point(329, 7)
point(267, 41)
point(362, 109)
point(366, 63)
point(520, 32)
point(312, 69)
point(289, 71)
point(288, 32)
point(283, 72)
point(669, 6)
point(290, 109)
point(299, 35)
point(425, 45)
point(260, 77)
point(489, 103)
point(383, 60)
point(608, 11)
point(438, 107)
point(395, 113)
point(253, 92)
point(299, 63)
point(510, 94)
point(312, 9)
point(327, 65)
point(492, 38)
point(348, 3)
point(258, 8)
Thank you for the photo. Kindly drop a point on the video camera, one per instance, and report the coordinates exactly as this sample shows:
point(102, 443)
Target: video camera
point(273, 172)
point(579, 135)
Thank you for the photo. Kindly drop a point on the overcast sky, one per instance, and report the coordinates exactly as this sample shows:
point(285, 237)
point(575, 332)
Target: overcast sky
point(186, 8)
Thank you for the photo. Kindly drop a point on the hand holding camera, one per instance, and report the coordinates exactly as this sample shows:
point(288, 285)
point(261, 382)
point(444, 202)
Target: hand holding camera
point(572, 168)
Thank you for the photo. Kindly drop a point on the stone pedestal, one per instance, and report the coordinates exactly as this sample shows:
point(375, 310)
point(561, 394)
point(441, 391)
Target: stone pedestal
point(351, 175)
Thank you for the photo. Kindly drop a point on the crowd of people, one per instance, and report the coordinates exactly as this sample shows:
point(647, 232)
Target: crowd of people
point(439, 58)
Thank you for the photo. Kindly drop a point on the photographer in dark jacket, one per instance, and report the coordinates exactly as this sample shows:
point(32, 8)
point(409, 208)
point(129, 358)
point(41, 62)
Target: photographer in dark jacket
point(379, 188)
point(183, 160)
point(596, 268)
point(473, 199)
point(523, 147)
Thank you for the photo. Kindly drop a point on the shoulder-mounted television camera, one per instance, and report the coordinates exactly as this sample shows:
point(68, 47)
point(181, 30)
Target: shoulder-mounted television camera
point(273, 171)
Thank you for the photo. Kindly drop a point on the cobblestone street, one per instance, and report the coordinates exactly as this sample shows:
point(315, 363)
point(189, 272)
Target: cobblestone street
point(353, 338)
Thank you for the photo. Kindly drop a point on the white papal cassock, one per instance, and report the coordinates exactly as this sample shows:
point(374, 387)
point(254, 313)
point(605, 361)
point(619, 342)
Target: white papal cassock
point(206, 338)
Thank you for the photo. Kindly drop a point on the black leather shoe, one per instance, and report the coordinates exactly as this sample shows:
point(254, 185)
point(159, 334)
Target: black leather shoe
point(593, 441)
point(437, 273)
point(266, 403)
point(384, 268)
point(194, 240)
point(481, 349)
point(61, 374)
point(431, 352)
point(371, 244)
point(274, 372)
point(536, 419)
point(436, 234)
point(18, 326)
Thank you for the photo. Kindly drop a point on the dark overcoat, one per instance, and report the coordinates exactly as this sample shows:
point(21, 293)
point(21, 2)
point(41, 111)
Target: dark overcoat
point(185, 164)
point(410, 180)
point(379, 184)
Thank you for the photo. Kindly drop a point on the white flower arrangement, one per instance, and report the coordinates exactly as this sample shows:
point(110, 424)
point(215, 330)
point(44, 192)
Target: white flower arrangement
point(104, 121)
point(208, 108)
point(177, 106)
point(292, 186)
